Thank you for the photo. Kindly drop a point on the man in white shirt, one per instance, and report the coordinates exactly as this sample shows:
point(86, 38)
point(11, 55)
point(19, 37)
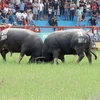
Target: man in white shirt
point(41, 8)
point(72, 11)
point(78, 2)
point(24, 14)
point(18, 16)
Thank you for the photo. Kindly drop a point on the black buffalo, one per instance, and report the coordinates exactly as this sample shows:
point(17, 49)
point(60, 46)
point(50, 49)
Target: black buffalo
point(21, 41)
point(72, 41)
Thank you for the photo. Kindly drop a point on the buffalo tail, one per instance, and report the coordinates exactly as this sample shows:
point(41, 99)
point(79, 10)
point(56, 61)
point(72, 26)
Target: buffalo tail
point(94, 55)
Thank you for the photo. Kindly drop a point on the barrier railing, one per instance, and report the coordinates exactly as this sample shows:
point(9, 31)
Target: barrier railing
point(94, 28)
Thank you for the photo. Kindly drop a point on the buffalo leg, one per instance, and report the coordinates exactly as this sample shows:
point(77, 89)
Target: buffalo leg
point(88, 54)
point(31, 60)
point(23, 51)
point(62, 58)
point(10, 54)
point(55, 61)
point(20, 58)
point(80, 54)
point(3, 53)
point(55, 56)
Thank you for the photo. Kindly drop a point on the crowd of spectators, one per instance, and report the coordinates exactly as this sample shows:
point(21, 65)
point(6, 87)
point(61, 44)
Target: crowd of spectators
point(26, 11)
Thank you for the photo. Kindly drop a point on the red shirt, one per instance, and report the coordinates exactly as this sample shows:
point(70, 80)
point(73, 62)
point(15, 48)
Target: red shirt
point(93, 6)
point(29, 5)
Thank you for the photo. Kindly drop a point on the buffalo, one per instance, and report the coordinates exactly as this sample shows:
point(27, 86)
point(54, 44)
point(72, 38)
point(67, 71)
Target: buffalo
point(23, 41)
point(67, 42)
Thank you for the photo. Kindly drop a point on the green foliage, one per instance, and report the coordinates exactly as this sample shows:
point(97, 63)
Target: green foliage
point(68, 81)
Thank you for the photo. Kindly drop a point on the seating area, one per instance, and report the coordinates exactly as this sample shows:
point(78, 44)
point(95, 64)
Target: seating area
point(62, 22)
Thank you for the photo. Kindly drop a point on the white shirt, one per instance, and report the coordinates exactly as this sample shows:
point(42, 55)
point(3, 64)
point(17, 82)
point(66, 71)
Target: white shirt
point(31, 1)
point(17, 2)
point(41, 6)
point(30, 16)
point(24, 15)
point(72, 6)
point(78, 2)
point(88, 6)
point(5, 10)
point(18, 14)
point(50, 10)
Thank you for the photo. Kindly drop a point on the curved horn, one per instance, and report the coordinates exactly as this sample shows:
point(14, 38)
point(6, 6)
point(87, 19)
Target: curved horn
point(40, 59)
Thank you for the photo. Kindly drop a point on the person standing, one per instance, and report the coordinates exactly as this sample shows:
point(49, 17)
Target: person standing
point(35, 6)
point(55, 8)
point(22, 6)
point(50, 12)
point(66, 7)
point(41, 8)
point(46, 6)
point(72, 11)
point(28, 6)
point(79, 15)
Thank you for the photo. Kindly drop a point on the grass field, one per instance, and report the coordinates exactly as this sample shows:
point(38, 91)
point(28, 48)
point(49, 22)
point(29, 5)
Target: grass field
point(68, 81)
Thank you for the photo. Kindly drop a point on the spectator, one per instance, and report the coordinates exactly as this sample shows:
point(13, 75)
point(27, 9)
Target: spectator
point(22, 20)
point(55, 8)
point(5, 10)
point(35, 7)
point(10, 17)
point(18, 16)
point(72, 10)
point(94, 12)
point(17, 2)
point(4, 15)
point(3, 4)
point(46, 6)
point(22, 6)
point(84, 12)
point(53, 22)
point(79, 15)
point(66, 13)
point(61, 6)
point(11, 6)
point(93, 5)
point(4, 18)
point(30, 17)
point(81, 3)
point(50, 12)
point(29, 6)
point(41, 8)
point(88, 8)
point(98, 3)
point(51, 3)
point(24, 14)
point(93, 21)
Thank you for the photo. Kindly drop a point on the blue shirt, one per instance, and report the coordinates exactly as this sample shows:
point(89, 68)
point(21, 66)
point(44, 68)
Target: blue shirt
point(22, 6)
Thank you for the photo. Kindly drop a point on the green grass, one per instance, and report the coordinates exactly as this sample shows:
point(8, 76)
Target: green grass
point(68, 81)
